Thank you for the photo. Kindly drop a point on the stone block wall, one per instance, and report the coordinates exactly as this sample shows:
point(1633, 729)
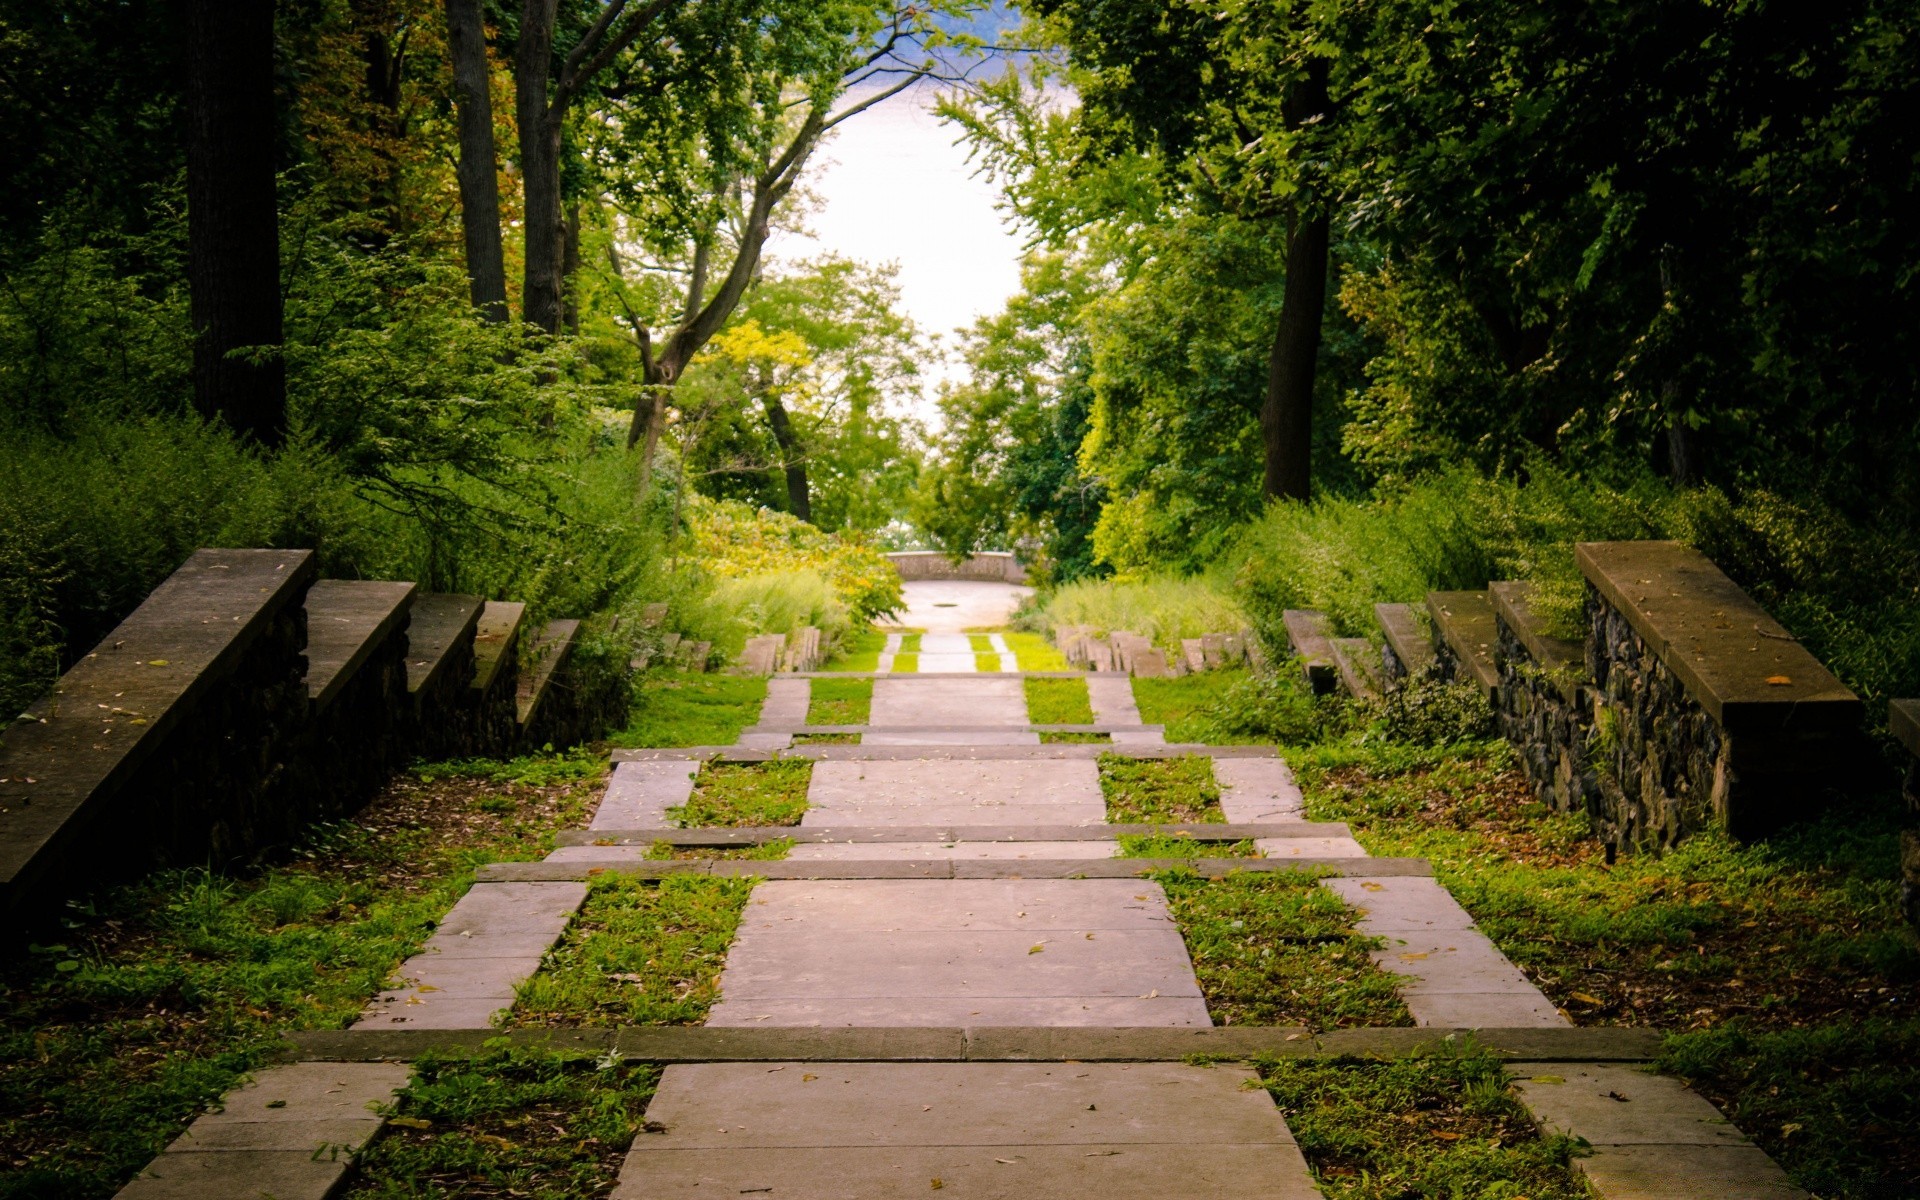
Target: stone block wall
point(993, 566)
point(1544, 709)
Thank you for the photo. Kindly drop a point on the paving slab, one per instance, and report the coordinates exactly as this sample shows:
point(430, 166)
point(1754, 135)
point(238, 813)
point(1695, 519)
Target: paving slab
point(786, 703)
point(987, 700)
point(858, 1131)
point(1394, 905)
point(995, 737)
point(640, 793)
point(238, 1175)
point(492, 913)
point(1045, 792)
point(1310, 847)
point(911, 952)
point(872, 851)
point(1257, 789)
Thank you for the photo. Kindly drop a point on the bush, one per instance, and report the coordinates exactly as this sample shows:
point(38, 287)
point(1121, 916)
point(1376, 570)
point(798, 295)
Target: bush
point(734, 541)
point(782, 602)
point(1164, 610)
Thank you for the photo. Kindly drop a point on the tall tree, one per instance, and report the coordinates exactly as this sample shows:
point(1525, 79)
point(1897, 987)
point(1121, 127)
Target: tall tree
point(233, 221)
point(479, 180)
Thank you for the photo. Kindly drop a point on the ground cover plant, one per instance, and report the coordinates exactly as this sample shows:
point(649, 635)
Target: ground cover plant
point(1437, 1125)
point(765, 793)
point(160, 995)
point(1159, 791)
point(1164, 610)
point(1032, 652)
point(507, 1122)
point(840, 702)
point(672, 708)
point(640, 952)
point(1057, 702)
point(860, 651)
point(1276, 948)
point(1183, 845)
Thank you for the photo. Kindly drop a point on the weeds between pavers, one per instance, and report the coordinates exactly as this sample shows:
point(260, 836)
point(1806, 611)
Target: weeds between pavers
point(1159, 791)
point(772, 851)
point(1787, 958)
point(1183, 845)
point(735, 794)
point(507, 1123)
point(1058, 702)
point(860, 652)
point(1276, 948)
point(1031, 652)
point(640, 952)
point(840, 702)
point(1441, 1125)
point(675, 709)
point(161, 995)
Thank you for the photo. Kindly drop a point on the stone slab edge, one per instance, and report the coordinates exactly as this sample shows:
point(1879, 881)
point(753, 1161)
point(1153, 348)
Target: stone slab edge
point(1455, 614)
point(1903, 721)
point(395, 600)
point(1402, 630)
point(1512, 604)
point(912, 753)
point(942, 868)
point(761, 834)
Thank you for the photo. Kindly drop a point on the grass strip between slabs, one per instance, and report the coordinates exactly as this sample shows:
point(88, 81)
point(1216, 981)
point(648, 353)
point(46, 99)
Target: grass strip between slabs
point(739, 794)
point(1187, 705)
point(906, 664)
point(772, 851)
point(640, 952)
point(1276, 948)
point(986, 662)
point(507, 1122)
point(1058, 702)
point(1444, 1124)
point(860, 652)
point(675, 709)
point(1031, 652)
point(1159, 791)
point(840, 702)
point(1183, 845)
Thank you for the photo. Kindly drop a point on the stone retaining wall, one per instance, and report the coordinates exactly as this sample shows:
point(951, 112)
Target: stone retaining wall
point(1544, 708)
point(990, 566)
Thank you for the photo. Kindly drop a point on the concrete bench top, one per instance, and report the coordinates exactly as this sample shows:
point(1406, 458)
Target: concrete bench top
point(495, 636)
point(1465, 619)
point(1738, 663)
point(441, 621)
point(550, 649)
point(110, 711)
point(1903, 719)
point(1400, 623)
point(346, 620)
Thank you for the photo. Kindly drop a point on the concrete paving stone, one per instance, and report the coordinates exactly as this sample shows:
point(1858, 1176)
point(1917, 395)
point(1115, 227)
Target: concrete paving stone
point(764, 741)
point(310, 1092)
point(959, 1104)
point(954, 784)
point(983, 812)
point(495, 919)
point(1310, 847)
point(1112, 699)
point(829, 851)
point(983, 701)
point(1485, 1010)
point(946, 643)
point(1687, 1173)
point(1146, 737)
point(599, 854)
point(305, 1136)
point(954, 605)
point(1257, 789)
point(1453, 961)
point(238, 1175)
point(1394, 904)
point(943, 664)
point(495, 977)
point(958, 963)
point(973, 1012)
point(786, 703)
point(407, 1009)
point(1007, 737)
point(1614, 1105)
point(903, 906)
point(640, 793)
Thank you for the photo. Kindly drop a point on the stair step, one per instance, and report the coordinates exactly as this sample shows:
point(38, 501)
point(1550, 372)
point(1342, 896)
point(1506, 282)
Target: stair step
point(1311, 635)
point(443, 622)
point(495, 638)
point(1465, 620)
point(550, 649)
point(347, 622)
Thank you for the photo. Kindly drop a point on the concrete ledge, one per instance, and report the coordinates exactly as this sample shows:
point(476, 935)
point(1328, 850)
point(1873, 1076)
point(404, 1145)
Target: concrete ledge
point(987, 566)
point(1409, 646)
point(1737, 663)
point(550, 649)
point(442, 623)
point(1465, 622)
point(762, 834)
point(1311, 636)
point(1512, 605)
point(843, 753)
point(1359, 666)
point(347, 621)
point(942, 868)
point(496, 635)
point(683, 1043)
point(1903, 721)
point(894, 730)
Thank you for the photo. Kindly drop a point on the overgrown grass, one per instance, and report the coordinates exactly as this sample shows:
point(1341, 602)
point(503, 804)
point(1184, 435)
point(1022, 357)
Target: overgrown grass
point(980, 643)
point(1442, 1126)
point(910, 643)
point(986, 662)
point(1032, 652)
point(767, 793)
point(156, 999)
point(1058, 702)
point(1159, 791)
point(1276, 948)
point(860, 651)
point(1184, 704)
point(675, 709)
point(640, 952)
point(840, 702)
point(507, 1122)
point(1164, 610)
point(1166, 845)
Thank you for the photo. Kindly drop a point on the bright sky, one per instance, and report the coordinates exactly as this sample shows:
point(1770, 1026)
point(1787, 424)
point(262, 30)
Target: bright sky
point(897, 188)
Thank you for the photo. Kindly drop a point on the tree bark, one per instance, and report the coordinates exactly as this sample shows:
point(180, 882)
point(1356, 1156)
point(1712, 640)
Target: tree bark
point(540, 292)
point(1286, 417)
point(570, 267)
point(792, 459)
point(233, 219)
point(477, 171)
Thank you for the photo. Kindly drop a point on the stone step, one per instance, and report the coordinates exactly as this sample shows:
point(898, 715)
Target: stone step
point(350, 621)
point(886, 834)
point(1465, 624)
point(492, 724)
point(157, 746)
point(865, 752)
point(1408, 648)
point(944, 868)
point(440, 643)
point(949, 730)
point(549, 651)
point(1310, 634)
point(358, 633)
point(1359, 666)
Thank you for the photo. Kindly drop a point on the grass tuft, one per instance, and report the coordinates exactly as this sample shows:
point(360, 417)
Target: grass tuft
point(1159, 791)
point(674, 709)
point(767, 793)
point(840, 702)
point(1058, 702)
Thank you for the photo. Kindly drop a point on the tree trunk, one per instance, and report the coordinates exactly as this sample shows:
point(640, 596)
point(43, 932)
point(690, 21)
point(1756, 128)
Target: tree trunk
point(799, 501)
point(477, 171)
point(570, 267)
point(1286, 417)
point(540, 292)
point(233, 219)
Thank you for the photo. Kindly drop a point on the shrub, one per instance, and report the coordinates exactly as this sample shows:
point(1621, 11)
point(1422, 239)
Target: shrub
point(734, 542)
point(781, 602)
point(1164, 610)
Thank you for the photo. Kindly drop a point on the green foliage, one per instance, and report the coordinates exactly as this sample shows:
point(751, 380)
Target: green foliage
point(1159, 791)
point(734, 541)
point(1058, 702)
point(1164, 610)
point(672, 709)
point(782, 603)
point(735, 794)
point(840, 702)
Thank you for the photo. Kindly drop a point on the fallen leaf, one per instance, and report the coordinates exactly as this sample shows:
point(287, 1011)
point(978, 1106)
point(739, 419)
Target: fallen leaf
point(808, 1078)
point(1547, 1079)
point(937, 1185)
point(1036, 948)
point(1445, 1136)
point(1583, 998)
point(410, 1122)
point(1779, 680)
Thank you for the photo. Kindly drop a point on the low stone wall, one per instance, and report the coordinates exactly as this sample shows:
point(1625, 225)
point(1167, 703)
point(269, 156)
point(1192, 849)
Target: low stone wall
point(988, 566)
point(1544, 707)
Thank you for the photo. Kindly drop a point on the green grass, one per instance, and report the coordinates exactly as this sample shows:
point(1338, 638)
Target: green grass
point(861, 652)
point(766, 793)
point(1186, 705)
point(1034, 653)
point(1075, 739)
point(1159, 791)
point(910, 643)
point(840, 702)
point(1276, 948)
point(980, 643)
point(675, 709)
point(1166, 845)
point(157, 998)
point(1445, 1126)
point(772, 851)
point(1058, 702)
point(640, 952)
point(507, 1123)
point(1164, 610)
point(906, 663)
point(986, 662)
